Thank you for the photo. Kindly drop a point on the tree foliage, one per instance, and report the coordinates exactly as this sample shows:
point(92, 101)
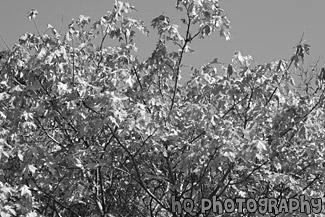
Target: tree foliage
point(91, 130)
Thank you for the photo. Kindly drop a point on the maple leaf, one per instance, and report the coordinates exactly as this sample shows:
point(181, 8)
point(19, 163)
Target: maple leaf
point(32, 14)
point(261, 145)
point(63, 88)
point(25, 191)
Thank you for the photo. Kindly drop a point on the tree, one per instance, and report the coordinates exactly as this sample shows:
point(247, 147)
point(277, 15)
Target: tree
point(90, 130)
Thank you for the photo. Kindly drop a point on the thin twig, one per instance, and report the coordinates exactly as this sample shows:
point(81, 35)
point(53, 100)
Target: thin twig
point(4, 42)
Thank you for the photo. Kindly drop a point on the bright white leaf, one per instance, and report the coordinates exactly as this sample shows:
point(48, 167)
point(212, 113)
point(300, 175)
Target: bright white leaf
point(31, 168)
point(261, 145)
point(62, 88)
point(32, 214)
point(3, 214)
point(20, 156)
point(42, 53)
point(25, 190)
point(49, 26)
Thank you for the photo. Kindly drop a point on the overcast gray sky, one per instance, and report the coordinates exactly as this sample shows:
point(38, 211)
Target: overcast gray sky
point(266, 30)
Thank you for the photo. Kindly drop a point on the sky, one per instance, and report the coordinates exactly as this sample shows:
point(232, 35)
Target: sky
point(266, 30)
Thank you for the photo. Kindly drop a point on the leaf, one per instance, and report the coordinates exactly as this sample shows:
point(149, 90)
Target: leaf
point(7, 191)
point(84, 20)
point(68, 36)
point(261, 145)
point(25, 191)
point(78, 163)
point(20, 156)
point(230, 70)
point(42, 53)
point(32, 214)
point(214, 61)
point(4, 96)
point(278, 166)
point(31, 168)
point(49, 26)
point(3, 214)
point(11, 210)
point(259, 156)
point(238, 58)
point(29, 125)
point(130, 81)
point(54, 31)
point(302, 132)
point(292, 81)
point(32, 14)
point(206, 30)
point(240, 168)
point(229, 154)
point(63, 88)
point(242, 194)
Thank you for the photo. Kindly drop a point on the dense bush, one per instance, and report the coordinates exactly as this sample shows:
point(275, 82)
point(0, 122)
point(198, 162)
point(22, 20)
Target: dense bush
point(90, 130)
